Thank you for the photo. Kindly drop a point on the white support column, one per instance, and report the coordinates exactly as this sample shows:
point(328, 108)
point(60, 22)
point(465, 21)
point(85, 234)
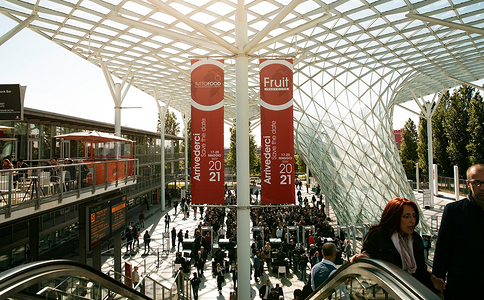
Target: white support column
point(18, 28)
point(162, 112)
point(243, 195)
point(417, 177)
point(185, 121)
point(118, 95)
point(430, 162)
point(456, 183)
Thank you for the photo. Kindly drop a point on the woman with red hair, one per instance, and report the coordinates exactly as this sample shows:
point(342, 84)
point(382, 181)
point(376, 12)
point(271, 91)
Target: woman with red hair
point(395, 240)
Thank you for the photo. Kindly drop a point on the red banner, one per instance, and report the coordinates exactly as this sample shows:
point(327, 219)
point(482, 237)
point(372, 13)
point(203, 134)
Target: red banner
point(277, 145)
point(207, 140)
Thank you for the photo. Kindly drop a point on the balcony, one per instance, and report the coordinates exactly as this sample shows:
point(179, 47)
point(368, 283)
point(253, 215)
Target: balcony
point(36, 190)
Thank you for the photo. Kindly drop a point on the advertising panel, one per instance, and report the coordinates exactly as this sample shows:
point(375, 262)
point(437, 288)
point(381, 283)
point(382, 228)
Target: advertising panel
point(277, 136)
point(207, 139)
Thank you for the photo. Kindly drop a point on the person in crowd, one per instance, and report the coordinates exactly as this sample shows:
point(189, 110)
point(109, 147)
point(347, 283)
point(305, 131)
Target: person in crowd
point(303, 263)
point(220, 277)
point(459, 243)
point(200, 263)
point(325, 268)
point(173, 237)
point(84, 174)
point(267, 252)
point(135, 234)
point(195, 281)
point(141, 219)
point(395, 240)
point(54, 171)
point(147, 240)
point(7, 164)
point(135, 276)
point(167, 221)
point(347, 250)
point(71, 175)
point(298, 294)
point(273, 295)
point(180, 239)
point(183, 262)
point(279, 290)
point(235, 274)
point(20, 164)
point(257, 266)
point(129, 239)
point(265, 290)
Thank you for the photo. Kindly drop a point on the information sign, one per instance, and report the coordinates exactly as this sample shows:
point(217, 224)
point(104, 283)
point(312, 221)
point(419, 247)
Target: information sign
point(99, 227)
point(11, 102)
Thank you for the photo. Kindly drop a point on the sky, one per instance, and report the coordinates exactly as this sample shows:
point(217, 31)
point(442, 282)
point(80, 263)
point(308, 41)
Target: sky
point(61, 82)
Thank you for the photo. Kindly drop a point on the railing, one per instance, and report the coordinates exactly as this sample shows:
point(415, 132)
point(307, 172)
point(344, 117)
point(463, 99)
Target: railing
point(56, 278)
point(372, 279)
point(445, 183)
point(177, 288)
point(30, 187)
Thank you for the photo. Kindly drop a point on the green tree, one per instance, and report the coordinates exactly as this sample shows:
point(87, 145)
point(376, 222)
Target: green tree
point(475, 130)
point(300, 165)
point(172, 127)
point(457, 119)
point(439, 139)
point(408, 148)
point(189, 142)
point(423, 144)
point(171, 124)
point(254, 159)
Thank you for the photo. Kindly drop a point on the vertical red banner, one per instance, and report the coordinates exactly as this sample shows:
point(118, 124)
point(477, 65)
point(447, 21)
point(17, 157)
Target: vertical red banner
point(277, 145)
point(207, 139)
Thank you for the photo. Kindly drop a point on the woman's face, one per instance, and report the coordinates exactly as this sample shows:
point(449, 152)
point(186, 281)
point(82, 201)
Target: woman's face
point(408, 220)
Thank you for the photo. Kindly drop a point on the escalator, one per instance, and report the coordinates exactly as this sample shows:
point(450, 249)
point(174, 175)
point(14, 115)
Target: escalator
point(62, 279)
point(368, 279)
point(371, 279)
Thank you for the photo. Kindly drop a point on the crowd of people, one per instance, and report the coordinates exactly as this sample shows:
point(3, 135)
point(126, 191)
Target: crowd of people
point(316, 257)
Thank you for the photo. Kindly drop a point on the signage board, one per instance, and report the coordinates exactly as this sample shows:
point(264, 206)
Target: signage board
point(11, 102)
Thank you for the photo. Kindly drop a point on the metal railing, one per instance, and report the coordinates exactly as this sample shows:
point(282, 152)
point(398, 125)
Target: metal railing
point(30, 187)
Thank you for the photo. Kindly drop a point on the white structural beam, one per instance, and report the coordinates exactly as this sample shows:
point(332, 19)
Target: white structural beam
point(463, 27)
point(271, 25)
point(290, 32)
point(166, 33)
point(18, 28)
point(197, 26)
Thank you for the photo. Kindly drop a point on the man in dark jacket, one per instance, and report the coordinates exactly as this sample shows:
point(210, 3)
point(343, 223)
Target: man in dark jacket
point(461, 243)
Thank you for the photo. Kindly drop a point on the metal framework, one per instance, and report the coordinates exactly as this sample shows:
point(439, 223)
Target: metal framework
point(355, 60)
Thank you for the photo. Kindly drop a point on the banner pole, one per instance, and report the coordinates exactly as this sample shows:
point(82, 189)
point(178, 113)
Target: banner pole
point(243, 195)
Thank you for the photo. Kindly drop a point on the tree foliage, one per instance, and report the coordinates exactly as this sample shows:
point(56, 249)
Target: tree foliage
point(171, 124)
point(475, 130)
point(456, 120)
point(408, 148)
point(439, 139)
point(254, 159)
point(423, 144)
point(189, 142)
point(300, 166)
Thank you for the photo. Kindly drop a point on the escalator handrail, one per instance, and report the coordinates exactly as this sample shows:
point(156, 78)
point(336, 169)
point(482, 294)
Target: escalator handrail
point(398, 283)
point(21, 277)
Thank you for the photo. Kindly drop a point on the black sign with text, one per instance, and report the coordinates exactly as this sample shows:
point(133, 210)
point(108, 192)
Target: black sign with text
point(11, 102)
